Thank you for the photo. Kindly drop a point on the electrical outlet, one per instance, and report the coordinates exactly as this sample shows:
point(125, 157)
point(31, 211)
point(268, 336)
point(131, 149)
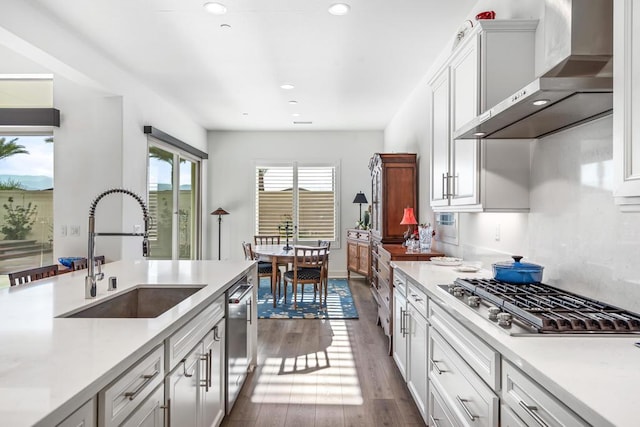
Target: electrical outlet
point(75, 230)
point(497, 232)
point(63, 230)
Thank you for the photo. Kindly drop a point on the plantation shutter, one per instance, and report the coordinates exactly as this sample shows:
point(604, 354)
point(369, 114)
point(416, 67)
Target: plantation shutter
point(274, 198)
point(304, 195)
point(316, 203)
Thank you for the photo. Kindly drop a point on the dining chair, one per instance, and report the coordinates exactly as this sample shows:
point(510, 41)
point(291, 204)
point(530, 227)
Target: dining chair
point(265, 269)
point(309, 267)
point(25, 276)
point(81, 264)
point(263, 239)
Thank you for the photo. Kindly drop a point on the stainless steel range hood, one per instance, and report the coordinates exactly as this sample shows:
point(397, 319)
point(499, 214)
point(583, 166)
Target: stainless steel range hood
point(578, 86)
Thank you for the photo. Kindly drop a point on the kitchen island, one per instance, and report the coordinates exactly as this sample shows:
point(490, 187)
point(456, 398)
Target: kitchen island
point(50, 366)
point(594, 376)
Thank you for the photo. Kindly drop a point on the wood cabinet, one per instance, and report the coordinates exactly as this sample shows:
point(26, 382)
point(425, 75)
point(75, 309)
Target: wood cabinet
point(480, 175)
point(382, 279)
point(358, 252)
point(626, 104)
point(394, 180)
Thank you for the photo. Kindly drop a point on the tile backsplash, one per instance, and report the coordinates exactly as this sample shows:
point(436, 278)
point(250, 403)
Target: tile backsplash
point(574, 229)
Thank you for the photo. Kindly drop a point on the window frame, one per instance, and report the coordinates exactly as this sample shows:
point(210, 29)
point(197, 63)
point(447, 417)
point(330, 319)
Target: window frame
point(335, 164)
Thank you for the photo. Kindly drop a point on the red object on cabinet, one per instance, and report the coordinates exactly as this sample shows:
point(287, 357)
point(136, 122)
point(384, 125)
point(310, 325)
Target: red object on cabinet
point(489, 14)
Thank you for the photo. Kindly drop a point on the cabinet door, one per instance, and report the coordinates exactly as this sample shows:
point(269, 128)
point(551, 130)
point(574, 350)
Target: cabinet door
point(399, 332)
point(150, 413)
point(417, 359)
point(465, 77)
point(626, 104)
point(212, 377)
point(182, 390)
point(363, 259)
point(440, 137)
point(85, 416)
point(352, 256)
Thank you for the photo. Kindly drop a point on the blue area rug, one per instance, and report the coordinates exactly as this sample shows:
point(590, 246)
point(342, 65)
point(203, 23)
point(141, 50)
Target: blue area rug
point(339, 303)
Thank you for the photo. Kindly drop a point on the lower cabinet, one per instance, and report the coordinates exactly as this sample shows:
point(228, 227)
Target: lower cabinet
point(84, 416)
point(150, 413)
point(182, 390)
point(417, 348)
point(400, 330)
point(212, 395)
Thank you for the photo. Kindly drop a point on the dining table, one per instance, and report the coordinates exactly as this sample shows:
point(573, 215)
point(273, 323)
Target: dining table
point(277, 255)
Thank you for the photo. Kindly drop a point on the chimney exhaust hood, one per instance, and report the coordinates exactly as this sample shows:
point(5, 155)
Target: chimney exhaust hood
point(578, 86)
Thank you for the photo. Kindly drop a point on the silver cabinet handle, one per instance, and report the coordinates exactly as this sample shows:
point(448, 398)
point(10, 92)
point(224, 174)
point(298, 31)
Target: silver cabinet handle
point(207, 365)
point(216, 334)
point(402, 321)
point(147, 379)
point(531, 410)
point(444, 193)
point(250, 311)
point(434, 421)
point(184, 369)
point(435, 366)
point(465, 409)
point(167, 408)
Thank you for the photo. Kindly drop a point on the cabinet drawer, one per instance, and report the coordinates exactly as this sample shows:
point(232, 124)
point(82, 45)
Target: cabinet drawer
point(384, 275)
point(533, 404)
point(471, 401)
point(399, 281)
point(479, 355)
point(149, 413)
point(185, 338)
point(417, 298)
point(439, 414)
point(509, 419)
point(385, 319)
point(360, 235)
point(120, 398)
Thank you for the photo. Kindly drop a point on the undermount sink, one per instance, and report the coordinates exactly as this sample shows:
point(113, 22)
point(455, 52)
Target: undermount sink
point(143, 301)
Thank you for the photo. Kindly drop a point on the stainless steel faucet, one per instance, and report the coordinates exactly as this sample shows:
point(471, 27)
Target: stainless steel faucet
point(92, 277)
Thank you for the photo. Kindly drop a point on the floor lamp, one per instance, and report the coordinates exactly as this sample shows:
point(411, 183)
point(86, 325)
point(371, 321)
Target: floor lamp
point(219, 212)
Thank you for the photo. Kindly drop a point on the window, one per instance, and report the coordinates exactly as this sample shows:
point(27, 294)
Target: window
point(26, 203)
point(304, 196)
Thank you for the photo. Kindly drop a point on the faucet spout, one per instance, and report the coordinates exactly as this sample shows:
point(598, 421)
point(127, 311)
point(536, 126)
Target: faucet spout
point(92, 277)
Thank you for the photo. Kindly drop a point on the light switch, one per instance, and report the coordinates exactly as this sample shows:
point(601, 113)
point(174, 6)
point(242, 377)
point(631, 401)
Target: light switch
point(75, 230)
point(63, 230)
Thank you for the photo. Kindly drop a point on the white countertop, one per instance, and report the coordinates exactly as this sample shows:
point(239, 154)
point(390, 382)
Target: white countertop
point(50, 365)
point(596, 376)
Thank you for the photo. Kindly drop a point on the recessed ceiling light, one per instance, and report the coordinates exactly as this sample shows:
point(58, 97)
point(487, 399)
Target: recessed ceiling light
point(293, 102)
point(287, 86)
point(479, 134)
point(245, 114)
point(225, 26)
point(339, 9)
point(296, 114)
point(215, 8)
point(540, 102)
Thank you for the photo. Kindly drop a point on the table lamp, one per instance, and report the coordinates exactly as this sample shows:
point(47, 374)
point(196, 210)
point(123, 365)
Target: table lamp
point(360, 199)
point(408, 218)
point(219, 212)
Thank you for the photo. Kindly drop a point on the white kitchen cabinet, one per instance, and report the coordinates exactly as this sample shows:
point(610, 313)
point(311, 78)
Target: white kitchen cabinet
point(417, 379)
point(84, 416)
point(626, 104)
point(533, 404)
point(150, 413)
point(494, 60)
point(212, 384)
point(182, 390)
point(400, 331)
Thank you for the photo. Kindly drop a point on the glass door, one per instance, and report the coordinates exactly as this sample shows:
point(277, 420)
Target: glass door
point(174, 201)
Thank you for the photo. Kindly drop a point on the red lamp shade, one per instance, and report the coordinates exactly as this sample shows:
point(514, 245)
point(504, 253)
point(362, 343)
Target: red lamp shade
point(408, 218)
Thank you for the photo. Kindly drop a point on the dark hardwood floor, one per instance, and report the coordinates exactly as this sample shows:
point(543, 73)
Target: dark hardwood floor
point(325, 373)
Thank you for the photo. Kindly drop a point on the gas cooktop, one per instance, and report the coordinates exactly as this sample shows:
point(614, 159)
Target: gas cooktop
point(540, 308)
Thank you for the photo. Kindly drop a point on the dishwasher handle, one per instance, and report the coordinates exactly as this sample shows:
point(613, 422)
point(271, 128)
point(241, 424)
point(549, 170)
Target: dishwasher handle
point(239, 293)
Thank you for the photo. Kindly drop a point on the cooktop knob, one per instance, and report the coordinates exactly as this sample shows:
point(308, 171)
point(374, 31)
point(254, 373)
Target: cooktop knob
point(473, 301)
point(451, 287)
point(458, 291)
point(504, 319)
point(493, 313)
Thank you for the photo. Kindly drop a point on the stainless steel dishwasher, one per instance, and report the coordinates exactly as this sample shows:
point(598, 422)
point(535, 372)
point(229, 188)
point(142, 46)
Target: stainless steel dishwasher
point(239, 300)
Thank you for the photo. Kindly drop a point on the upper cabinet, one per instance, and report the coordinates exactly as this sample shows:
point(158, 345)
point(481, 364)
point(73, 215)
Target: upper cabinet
point(491, 62)
point(626, 104)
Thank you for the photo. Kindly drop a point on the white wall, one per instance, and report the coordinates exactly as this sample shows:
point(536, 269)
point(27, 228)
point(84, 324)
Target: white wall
point(573, 229)
point(232, 161)
point(100, 143)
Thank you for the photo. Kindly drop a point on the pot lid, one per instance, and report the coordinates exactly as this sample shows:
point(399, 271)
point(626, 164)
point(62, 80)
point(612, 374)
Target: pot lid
point(517, 264)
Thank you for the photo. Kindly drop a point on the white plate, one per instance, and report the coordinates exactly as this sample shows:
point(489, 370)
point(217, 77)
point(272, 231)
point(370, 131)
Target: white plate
point(467, 269)
point(447, 260)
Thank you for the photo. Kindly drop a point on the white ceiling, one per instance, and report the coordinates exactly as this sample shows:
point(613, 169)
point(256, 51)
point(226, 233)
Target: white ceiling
point(350, 72)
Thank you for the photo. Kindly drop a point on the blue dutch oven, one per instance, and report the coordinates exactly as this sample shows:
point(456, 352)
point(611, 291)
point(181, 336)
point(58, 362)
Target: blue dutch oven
point(517, 272)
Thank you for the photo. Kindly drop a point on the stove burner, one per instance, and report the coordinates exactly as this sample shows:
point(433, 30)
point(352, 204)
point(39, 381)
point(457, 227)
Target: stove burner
point(546, 309)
